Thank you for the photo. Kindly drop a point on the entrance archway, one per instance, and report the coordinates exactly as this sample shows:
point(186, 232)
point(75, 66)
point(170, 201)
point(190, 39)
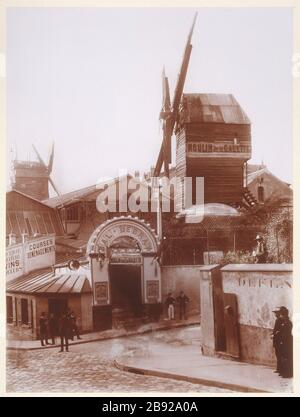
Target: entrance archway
point(125, 273)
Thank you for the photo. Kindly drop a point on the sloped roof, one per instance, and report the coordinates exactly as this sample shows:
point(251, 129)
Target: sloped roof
point(47, 283)
point(70, 197)
point(212, 108)
point(83, 193)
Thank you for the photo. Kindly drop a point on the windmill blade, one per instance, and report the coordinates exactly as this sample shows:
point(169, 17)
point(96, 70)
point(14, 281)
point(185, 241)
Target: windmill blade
point(51, 158)
point(54, 186)
point(176, 101)
point(39, 156)
point(166, 105)
point(165, 116)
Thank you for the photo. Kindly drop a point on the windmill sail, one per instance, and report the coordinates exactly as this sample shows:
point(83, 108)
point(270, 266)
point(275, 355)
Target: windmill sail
point(47, 167)
point(165, 150)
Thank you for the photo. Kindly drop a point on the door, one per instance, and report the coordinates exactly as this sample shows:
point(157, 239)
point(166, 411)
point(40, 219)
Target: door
point(126, 290)
point(24, 311)
point(9, 309)
point(231, 325)
point(57, 306)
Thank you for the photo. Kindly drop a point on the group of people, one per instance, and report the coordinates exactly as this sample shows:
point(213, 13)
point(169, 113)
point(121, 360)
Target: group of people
point(283, 342)
point(182, 301)
point(65, 327)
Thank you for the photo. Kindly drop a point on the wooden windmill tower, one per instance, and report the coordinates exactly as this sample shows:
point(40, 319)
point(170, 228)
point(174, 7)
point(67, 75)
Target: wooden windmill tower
point(213, 140)
point(33, 177)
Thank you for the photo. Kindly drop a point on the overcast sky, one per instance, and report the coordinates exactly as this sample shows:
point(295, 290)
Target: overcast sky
point(90, 79)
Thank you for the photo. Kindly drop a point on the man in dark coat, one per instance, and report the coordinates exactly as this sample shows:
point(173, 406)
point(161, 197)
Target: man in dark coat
point(52, 327)
point(75, 330)
point(276, 339)
point(182, 300)
point(283, 342)
point(43, 329)
point(64, 332)
point(286, 344)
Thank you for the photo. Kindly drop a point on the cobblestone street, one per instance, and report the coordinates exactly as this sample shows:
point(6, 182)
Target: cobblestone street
point(89, 368)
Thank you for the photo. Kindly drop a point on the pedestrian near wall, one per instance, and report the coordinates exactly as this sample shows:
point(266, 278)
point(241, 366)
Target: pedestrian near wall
point(276, 335)
point(75, 330)
point(182, 300)
point(283, 342)
point(287, 344)
point(43, 329)
point(170, 301)
point(64, 332)
point(52, 328)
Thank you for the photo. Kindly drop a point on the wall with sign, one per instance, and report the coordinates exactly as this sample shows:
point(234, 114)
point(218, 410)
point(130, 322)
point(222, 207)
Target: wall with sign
point(259, 290)
point(14, 261)
point(29, 256)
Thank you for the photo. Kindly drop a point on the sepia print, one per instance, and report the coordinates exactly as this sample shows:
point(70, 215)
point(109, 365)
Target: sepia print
point(149, 203)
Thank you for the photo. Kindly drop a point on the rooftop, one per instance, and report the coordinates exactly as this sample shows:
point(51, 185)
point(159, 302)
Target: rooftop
point(212, 108)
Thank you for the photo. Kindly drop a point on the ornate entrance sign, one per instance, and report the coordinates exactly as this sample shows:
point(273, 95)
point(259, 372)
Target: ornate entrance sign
point(123, 242)
point(105, 235)
point(123, 258)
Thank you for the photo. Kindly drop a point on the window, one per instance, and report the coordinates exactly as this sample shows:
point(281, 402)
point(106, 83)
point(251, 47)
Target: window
point(24, 311)
point(9, 309)
point(72, 213)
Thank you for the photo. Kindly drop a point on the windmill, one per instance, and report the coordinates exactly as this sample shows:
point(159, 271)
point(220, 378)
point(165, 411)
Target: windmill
point(169, 113)
point(48, 167)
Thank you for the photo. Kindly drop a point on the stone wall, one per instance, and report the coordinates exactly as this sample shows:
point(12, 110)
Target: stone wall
point(259, 288)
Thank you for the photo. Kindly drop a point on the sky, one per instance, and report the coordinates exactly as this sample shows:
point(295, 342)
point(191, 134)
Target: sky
point(90, 80)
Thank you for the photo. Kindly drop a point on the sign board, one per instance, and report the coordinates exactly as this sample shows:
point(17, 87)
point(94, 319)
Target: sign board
point(25, 257)
point(101, 292)
point(40, 253)
point(14, 261)
point(125, 258)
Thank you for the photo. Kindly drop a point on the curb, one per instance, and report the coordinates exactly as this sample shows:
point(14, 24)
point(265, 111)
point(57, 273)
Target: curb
point(193, 380)
point(100, 339)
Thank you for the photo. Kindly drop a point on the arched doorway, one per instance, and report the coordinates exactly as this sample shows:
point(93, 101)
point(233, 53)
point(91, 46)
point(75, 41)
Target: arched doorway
point(125, 273)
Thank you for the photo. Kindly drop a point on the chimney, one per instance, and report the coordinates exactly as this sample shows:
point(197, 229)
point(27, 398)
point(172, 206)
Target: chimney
point(12, 239)
point(24, 237)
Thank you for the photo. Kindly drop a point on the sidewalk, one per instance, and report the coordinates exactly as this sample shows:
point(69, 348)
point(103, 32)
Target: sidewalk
point(14, 344)
point(186, 363)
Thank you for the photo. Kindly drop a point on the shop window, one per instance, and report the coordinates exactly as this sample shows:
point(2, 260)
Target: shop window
point(9, 309)
point(24, 311)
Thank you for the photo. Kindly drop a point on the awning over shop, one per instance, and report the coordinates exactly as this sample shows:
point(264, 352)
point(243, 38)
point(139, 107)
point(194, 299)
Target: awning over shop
point(47, 283)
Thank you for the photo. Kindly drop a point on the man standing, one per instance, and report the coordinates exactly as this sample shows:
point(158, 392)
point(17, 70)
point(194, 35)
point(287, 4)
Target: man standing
point(64, 332)
point(170, 301)
point(283, 342)
point(75, 330)
point(277, 339)
point(286, 347)
point(182, 299)
point(260, 254)
point(52, 327)
point(43, 329)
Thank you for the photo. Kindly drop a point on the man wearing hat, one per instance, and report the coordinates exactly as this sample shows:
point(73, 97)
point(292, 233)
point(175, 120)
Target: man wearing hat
point(283, 342)
point(276, 335)
point(260, 253)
